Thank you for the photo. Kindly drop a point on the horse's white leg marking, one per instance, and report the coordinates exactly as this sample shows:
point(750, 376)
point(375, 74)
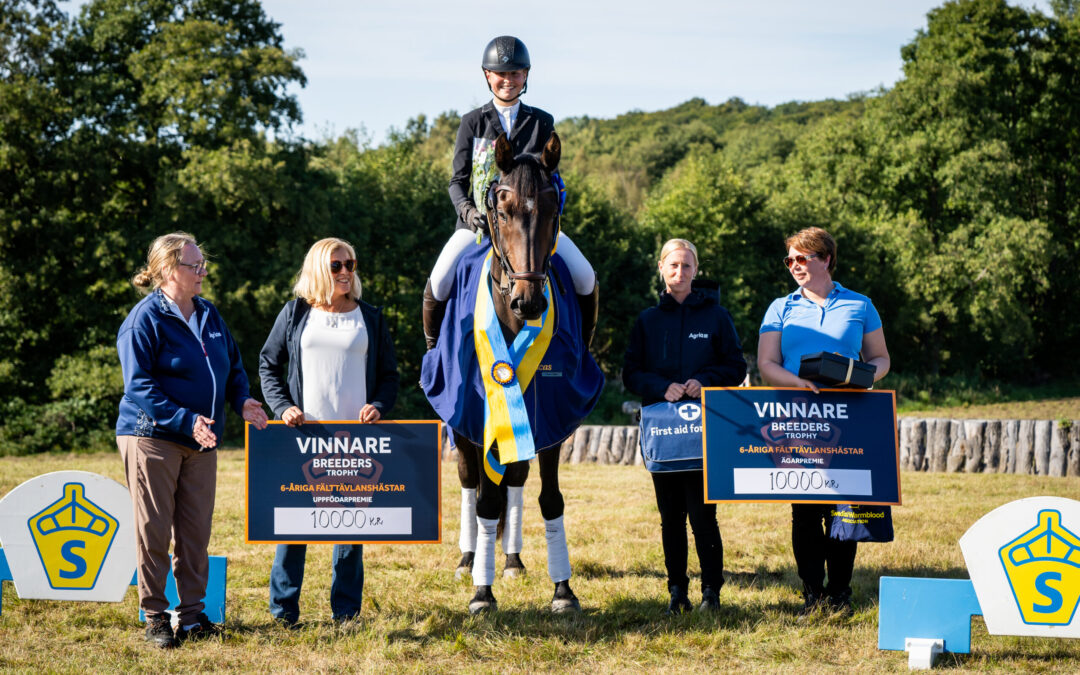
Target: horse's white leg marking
point(515, 505)
point(558, 556)
point(483, 571)
point(467, 537)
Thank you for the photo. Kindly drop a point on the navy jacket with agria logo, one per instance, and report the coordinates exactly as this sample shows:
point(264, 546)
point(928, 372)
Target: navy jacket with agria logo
point(170, 376)
point(675, 342)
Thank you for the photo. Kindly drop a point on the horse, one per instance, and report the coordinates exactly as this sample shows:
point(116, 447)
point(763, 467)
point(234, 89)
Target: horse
point(527, 285)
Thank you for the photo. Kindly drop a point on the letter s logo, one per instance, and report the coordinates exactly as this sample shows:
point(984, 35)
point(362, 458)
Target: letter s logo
point(1043, 587)
point(67, 551)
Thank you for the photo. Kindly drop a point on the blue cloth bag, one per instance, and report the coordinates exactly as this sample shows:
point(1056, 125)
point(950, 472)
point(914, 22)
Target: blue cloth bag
point(855, 522)
point(670, 436)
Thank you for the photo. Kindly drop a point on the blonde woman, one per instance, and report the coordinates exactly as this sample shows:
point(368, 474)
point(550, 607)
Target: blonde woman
point(686, 342)
point(180, 367)
point(328, 357)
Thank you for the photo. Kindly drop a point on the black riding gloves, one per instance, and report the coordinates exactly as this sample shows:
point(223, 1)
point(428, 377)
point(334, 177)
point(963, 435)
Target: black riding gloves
point(472, 217)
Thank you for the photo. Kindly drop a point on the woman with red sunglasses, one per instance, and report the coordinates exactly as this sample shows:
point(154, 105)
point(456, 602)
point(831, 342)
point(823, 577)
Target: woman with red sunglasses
point(819, 316)
point(328, 357)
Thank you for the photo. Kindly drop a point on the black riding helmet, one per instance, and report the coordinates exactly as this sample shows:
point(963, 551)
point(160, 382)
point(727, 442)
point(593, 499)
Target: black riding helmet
point(506, 53)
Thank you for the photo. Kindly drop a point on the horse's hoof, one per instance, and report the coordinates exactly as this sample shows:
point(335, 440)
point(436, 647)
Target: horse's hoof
point(483, 601)
point(564, 601)
point(464, 566)
point(514, 567)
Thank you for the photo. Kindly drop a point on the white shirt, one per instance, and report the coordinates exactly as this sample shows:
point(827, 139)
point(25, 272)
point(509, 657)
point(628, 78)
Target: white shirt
point(192, 322)
point(333, 364)
point(507, 114)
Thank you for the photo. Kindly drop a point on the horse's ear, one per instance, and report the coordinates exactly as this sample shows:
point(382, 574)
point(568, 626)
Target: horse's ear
point(552, 152)
point(504, 154)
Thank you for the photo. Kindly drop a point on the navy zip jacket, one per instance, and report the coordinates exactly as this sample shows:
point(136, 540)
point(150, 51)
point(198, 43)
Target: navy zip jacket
point(675, 342)
point(531, 131)
point(170, 376)
point(279, 361)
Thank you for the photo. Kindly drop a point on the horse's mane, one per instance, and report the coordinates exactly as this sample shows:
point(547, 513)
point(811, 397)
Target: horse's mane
point(527, 177)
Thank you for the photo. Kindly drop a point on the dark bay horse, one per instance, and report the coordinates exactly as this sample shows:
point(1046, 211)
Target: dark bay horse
point(526, 288)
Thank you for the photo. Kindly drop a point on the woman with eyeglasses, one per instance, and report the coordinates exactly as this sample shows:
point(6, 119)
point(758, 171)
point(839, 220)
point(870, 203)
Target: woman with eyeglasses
point(819, 316)
point(328, 357)
point(180, 366)
point(686, 342)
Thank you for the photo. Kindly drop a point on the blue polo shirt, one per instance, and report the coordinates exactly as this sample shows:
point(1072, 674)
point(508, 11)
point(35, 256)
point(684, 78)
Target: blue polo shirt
point(807, 328)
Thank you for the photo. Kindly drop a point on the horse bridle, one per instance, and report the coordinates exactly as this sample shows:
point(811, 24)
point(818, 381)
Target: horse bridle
point(509, 275)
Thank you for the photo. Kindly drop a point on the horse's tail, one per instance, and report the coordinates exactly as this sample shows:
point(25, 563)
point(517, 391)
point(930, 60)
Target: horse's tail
point(502, 513)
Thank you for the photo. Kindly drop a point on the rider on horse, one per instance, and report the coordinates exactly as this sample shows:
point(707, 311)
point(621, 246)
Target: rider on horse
point(506, 65)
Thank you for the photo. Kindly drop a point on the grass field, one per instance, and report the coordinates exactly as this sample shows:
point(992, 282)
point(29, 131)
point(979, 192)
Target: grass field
point(415, 618)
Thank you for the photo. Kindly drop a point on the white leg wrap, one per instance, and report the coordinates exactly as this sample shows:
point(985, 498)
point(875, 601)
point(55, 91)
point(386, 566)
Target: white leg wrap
point(442, 275)
point(580, 269)
point(483, 571)
point(515, 505)
point(467, 537)
point(558, 556)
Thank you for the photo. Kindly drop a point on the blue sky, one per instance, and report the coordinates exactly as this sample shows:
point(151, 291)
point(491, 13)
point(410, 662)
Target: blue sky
point(375, 64)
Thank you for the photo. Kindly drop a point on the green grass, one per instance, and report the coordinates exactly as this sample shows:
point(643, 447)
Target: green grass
point(415, 618)
point(961, 397)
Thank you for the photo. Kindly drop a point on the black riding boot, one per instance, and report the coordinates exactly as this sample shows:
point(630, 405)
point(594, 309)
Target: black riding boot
point(590, 310)
point(434, 310)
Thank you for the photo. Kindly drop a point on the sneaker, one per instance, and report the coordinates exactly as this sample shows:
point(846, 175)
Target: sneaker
point(813, 600)
point(680, 604)
point(841, 603)
point(159, 632)
point(203, 629)
point(710, 601)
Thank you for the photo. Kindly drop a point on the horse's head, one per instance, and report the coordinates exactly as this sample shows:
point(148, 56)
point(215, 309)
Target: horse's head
point(523, 214)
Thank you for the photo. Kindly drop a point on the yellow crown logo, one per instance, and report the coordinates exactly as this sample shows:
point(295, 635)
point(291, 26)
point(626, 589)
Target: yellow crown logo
point(1043, 568)
point(73, 536)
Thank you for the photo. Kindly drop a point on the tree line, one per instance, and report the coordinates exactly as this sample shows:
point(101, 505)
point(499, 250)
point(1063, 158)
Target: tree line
point(953, 196)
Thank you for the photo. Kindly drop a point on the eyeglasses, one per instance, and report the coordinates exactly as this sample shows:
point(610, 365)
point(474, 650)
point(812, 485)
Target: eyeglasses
point(197, 268)
point(336, 265)
point(801, 259)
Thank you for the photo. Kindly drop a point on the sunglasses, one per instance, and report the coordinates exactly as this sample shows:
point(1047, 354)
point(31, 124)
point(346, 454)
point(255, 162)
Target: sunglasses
point(197, 268)
point(801, 259)
point(336, 265)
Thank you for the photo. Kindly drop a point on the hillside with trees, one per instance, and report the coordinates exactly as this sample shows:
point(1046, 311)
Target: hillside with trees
point(954, 196)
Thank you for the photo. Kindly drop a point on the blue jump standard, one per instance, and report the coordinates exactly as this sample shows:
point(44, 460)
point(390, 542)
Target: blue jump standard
point(926, 608)
point(216, 584)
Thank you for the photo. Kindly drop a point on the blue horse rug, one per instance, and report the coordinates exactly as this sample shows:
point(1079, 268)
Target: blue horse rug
point(567, 382)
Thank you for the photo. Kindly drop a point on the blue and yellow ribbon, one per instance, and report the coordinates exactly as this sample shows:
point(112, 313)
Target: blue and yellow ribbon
point(507, 373)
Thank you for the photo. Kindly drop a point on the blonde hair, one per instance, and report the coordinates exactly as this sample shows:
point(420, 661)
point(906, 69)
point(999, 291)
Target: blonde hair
point(162, 258)
point(672, 245)
point(814, 240)
point(314, 283)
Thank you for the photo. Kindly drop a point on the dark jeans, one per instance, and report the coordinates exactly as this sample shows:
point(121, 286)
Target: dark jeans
point(287, 577)
point(814, 549)
point(680, 495)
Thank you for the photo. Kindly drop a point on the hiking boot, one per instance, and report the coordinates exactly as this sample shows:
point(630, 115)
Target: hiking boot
point(159, 632)
point(710, 600)
point(680, 604)
point(203, 629)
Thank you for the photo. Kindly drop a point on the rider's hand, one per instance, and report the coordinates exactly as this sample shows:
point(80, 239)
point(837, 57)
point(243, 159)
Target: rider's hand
point(472, 217)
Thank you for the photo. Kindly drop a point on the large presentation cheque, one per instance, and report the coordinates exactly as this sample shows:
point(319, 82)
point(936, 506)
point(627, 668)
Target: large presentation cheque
point(344, 482)
point(792, 445)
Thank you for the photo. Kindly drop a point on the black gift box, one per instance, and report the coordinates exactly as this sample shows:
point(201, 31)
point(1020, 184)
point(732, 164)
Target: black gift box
point(836, 371)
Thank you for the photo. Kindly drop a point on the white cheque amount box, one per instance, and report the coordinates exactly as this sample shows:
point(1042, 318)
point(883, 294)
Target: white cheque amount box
point(319, 520)
point(803, 481)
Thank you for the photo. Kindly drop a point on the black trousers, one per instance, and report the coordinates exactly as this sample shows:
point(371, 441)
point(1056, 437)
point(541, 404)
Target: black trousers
point(680, 495)
point(814, 549)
